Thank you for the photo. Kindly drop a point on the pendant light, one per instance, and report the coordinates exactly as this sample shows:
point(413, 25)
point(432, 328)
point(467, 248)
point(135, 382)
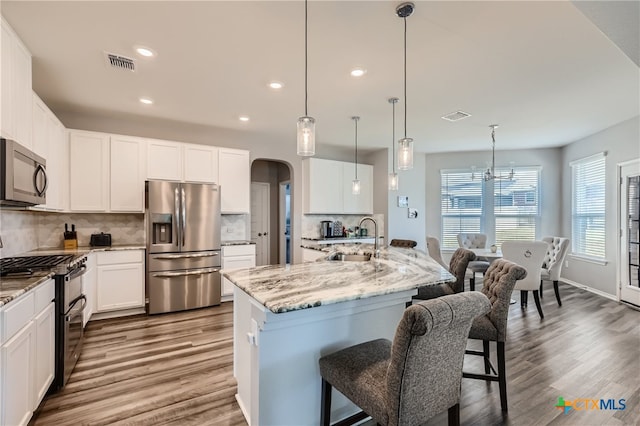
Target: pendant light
point(405, 145)
point(355, 184)
point(306, 129)
point(393, 176)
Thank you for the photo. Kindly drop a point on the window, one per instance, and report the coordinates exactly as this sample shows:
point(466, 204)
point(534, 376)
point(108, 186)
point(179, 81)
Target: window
point(588, 206)
point(461, 206)
point(503, 209)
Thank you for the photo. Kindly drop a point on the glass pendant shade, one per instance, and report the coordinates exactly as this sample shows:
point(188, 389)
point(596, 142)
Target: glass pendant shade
point(393, 181)
point(355, 187)
point(405, 154)
point(306, 136)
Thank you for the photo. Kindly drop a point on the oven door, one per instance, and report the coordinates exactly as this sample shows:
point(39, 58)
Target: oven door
point(73, 334)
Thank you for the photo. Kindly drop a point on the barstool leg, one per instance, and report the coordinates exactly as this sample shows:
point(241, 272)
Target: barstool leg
point(325, 404)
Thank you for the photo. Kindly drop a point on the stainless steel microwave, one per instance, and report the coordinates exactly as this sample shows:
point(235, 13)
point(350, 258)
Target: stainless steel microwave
point(24, 175)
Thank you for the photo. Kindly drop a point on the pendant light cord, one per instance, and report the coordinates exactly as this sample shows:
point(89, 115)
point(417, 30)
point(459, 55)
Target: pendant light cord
point(405, 77)
point(305, 59)
point(356, 163)
point(393, 136)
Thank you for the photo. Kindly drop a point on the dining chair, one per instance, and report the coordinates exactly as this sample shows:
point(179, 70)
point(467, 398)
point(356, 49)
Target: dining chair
point(498, 285)
point(471, 241)
point(529, 255)
point(433, 248)
point(458, 268)
point(553, 261)
point(413, 378)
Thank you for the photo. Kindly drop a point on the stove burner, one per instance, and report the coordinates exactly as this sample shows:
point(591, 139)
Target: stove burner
point(27, 264)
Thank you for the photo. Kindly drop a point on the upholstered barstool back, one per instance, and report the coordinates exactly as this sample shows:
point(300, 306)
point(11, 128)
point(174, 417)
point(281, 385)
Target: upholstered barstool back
point(458, 268)
point(433, 248)
point(414, 378)
point(552, 264)
point(403, 243)
point(469, 240)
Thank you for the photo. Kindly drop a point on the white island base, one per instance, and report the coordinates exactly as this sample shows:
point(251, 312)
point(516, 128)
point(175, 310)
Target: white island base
point(276, 355)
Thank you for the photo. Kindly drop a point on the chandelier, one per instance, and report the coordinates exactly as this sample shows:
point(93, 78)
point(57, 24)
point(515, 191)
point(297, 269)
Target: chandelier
point(490, 173)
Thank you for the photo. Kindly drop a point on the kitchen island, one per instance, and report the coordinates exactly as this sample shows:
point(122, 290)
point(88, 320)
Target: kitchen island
point(287, 317)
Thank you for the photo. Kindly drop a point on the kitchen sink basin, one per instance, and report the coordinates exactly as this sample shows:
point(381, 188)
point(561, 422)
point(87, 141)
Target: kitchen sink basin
point(351, 257)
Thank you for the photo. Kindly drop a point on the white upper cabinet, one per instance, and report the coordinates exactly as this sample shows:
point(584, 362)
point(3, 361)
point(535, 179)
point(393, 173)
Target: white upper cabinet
point(89, 171)
point(235, 180)
point(16, 94)
point(363, 202)
point(200, 163)
point(327, 187)
point(164, 160)
point(127, 174)
point(49, 141)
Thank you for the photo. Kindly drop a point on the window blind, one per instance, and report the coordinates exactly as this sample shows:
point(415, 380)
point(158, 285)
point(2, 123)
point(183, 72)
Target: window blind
point(461, 204)
point(516, 204)
point(588, 206)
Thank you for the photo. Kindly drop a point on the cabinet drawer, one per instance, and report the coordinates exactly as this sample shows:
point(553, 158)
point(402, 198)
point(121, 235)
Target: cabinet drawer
point(238, 262)
point(119, 257)
point(17, 315)
point(44, 295)
point(240, 250)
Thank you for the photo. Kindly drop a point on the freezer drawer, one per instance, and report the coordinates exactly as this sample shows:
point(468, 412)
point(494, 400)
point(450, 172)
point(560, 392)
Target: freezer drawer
point(178, 261)
point(171, 291)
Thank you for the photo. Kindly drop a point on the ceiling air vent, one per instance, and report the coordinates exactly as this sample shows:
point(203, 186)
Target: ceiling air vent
point(455, 116)
point(120, 62)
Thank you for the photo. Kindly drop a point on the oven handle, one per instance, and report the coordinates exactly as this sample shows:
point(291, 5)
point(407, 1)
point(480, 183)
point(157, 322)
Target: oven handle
point(75, 301)
point(77, 272)
point(186, 273)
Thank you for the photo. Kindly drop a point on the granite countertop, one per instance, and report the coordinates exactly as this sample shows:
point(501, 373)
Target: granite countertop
point(306, 285)
point(12, 287)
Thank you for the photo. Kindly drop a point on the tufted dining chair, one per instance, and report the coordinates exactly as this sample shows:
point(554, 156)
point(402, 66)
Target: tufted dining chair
point(458, 268)
point(529, 255)
point(552, 264)
point(413, 378)
point(403, 243)
point(471, 241)
point(499, 281)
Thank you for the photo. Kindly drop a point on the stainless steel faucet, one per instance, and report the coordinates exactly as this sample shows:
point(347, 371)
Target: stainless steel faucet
point(376, 252)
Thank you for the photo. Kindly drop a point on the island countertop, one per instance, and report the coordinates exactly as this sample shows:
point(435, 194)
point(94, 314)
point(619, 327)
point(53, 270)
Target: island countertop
point(293, 287)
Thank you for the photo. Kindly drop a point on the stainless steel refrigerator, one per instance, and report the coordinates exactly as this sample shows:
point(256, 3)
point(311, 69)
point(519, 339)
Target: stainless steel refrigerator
point(183, 245)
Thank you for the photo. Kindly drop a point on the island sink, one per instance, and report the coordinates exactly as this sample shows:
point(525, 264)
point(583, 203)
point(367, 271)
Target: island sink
point(351, 257)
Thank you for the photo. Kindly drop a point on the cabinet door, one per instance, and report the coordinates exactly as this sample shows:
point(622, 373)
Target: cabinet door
point(164, 160)
point(200, 163)
point(89, 172)
point(322, 186)
point(40, 133)
point(363, 202)
point(120, 287)
point(235, 180)
point(56, 164)
point(23, 101)
point(6, 81)
point(45, 351)
point(126, 192)
point(17, 357)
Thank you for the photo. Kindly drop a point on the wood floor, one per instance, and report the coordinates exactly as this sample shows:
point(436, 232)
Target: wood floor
point(177, 369)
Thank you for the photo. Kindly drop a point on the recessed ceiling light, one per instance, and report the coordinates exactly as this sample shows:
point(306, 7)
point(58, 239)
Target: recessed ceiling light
point(146, 101)
point(276, 85)
point(145, 51)
point(358, 72)
point(243, 118)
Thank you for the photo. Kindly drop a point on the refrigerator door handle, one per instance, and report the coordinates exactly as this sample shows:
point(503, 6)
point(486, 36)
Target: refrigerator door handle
point(185, 273)
point(185, 256)
point(176, 206)
point(184, 215)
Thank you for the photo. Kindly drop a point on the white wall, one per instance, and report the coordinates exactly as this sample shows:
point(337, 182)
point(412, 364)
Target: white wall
point(622, 143)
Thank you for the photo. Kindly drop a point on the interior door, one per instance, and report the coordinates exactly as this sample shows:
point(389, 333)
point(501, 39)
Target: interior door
point(629, 259)
point(260, 234)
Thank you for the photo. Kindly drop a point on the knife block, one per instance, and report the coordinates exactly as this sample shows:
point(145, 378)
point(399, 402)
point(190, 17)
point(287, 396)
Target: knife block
point(70, 244)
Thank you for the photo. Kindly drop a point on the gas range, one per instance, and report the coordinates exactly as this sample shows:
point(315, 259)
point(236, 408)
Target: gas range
point(60, 264)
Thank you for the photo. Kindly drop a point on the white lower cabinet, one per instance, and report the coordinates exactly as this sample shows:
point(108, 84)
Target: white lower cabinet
point(26, 353)
point(120, 280)
point(236, 257)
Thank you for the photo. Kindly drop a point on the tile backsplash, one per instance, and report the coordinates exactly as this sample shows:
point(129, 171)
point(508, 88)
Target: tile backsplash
point(19, 230)
point(235, 227)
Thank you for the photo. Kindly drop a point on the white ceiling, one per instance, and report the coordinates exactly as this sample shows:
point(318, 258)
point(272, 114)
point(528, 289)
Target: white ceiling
point(540, 69)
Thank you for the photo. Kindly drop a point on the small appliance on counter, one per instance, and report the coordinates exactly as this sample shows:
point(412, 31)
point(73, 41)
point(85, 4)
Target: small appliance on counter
point(338, 229)
point(100, 240)
point(326, 229)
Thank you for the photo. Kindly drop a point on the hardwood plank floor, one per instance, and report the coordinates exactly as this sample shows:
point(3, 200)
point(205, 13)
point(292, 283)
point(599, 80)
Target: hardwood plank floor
point(176, 369)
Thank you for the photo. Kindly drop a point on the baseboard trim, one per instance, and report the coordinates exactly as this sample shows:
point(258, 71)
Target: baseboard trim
point(590, 289)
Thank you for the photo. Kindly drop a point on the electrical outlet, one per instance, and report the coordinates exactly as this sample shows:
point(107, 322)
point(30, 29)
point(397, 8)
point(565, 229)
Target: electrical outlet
point(229, 230)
